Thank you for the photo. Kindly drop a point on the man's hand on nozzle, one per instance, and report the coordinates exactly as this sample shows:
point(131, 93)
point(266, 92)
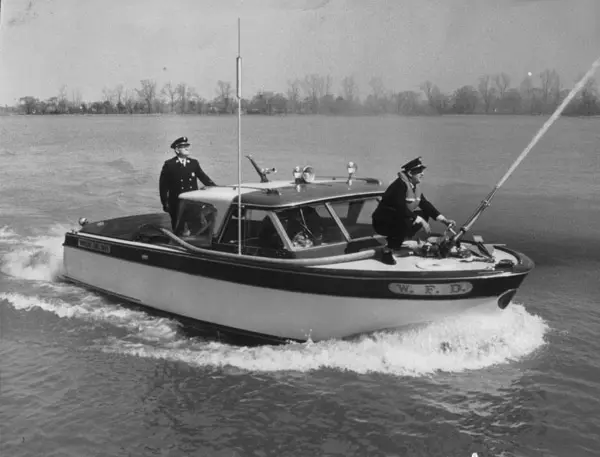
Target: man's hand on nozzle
point(166, 207)
point(447, 222)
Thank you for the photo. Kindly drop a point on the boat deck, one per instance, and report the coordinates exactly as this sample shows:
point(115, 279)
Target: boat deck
point(130, 231)
point(407, 261)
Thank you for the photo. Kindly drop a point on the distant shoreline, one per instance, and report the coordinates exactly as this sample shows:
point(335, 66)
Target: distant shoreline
point(386, 115)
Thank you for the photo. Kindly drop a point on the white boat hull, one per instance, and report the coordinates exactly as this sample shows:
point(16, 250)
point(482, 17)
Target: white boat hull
point(280, 313)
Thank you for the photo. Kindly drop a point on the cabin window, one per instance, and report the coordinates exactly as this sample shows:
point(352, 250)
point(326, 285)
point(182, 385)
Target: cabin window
point(196, 222)
point(309, 226)
point(356, 216)
point(257, 230)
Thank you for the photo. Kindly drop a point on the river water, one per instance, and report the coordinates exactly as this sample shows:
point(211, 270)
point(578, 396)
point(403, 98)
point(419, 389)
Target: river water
point(84, 375)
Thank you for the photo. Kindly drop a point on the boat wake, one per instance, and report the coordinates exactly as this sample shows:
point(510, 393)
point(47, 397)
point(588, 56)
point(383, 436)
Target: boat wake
point(33, 257)
point(68, 302)
point(468, 342)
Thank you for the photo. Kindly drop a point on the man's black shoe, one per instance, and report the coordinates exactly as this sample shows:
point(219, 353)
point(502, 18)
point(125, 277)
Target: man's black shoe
point(388, 258)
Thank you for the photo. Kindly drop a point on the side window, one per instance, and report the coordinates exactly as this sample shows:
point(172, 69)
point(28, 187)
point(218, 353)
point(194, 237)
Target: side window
point(257, 230)
point(309, 226)
point(195, 220)
point(356, 216)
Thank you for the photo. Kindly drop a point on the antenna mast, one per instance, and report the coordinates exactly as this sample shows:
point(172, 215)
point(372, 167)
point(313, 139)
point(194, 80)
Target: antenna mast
point(238, 62)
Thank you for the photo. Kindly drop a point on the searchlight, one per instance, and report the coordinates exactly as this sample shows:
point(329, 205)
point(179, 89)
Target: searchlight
point(351, 167)
point(304, 175)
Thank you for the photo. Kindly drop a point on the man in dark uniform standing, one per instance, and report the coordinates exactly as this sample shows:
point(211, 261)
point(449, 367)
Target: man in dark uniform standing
point(178, 175)
point(404, 210)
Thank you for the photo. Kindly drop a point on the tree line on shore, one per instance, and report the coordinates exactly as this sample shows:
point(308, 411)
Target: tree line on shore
point(314, 94)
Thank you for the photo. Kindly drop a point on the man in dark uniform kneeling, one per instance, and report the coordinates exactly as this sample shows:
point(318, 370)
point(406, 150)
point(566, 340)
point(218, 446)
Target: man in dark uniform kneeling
point(404, 210)
point(179, 174)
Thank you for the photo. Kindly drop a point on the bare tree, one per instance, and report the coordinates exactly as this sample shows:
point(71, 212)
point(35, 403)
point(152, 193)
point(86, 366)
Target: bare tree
point(550, 87)
point(62, 99)
point(512, 101)
point(185, 94)
point(465, 100)
point(590, 88)
point(377, 100)
point(327, 83)
point(293, 94)
point(527, 92)
point(349, 89)
point(76, 99)
point(50, 105)
point(555, 90)
point(118, 92)
point(197, 103)
point(108, 98)
point(148, 92)
point(129, 100)
point(314, 87)
point(377, 87)
point(502, 81)
point(433, 95)
point(224, 93)
point(427, 88)
point(546, 81)
point(192, 96)
point(588, 97)
point(486, 91)
point(170, 92)
point(182, 96)
point(407, 103)
point(29, 104)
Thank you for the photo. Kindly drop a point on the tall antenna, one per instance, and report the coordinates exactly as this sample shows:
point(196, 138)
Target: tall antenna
point(238, 62)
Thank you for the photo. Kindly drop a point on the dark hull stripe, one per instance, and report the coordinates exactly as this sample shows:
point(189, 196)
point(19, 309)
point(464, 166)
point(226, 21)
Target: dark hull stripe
point(367, 284)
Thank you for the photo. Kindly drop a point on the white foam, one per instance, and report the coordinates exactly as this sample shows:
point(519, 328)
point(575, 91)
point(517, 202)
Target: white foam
point(35, 258)
point(469, 342)
point(7, 235)
point(93, 309)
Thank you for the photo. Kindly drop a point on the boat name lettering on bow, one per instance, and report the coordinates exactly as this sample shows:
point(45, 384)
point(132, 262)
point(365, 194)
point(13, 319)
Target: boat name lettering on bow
point(457, 288)
point(94, 246)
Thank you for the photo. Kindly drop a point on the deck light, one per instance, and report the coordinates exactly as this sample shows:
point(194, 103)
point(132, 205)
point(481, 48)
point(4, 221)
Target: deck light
point(83, 221)
point(297, 173)
point(308, 174)
point(304, 175)
point(352, 167)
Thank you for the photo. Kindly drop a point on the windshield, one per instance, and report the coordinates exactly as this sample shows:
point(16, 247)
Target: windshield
point(300, 227)
point(356, 216)
point(310, 226)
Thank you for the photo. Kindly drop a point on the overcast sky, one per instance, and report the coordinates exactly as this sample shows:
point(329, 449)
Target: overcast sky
point(92, 44)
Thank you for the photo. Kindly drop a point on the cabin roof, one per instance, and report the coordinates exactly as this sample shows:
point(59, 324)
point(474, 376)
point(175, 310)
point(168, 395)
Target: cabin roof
point(279, 194)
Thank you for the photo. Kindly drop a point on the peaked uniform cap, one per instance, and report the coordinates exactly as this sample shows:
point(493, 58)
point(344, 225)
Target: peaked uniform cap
point(413, 165)
point(181, 141)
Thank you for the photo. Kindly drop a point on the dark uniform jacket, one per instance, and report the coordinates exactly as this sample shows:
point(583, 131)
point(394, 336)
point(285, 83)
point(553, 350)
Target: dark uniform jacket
point(393, 216)
point(176, 179)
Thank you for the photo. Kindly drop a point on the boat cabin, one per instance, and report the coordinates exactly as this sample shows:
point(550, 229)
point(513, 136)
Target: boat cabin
point(302, 218)
point(283, 219)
